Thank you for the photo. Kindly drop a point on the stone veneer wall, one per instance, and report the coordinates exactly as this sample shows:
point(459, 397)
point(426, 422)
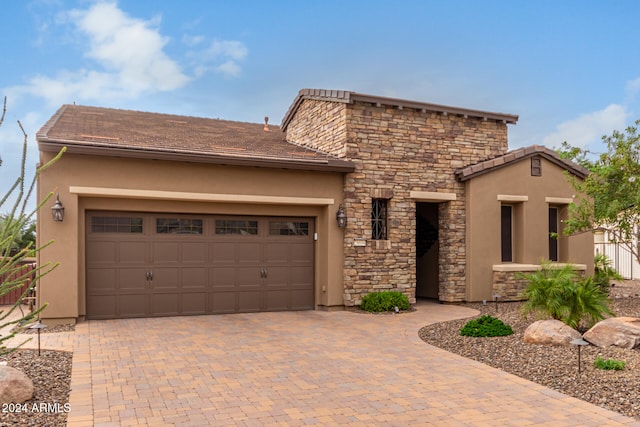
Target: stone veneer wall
point(395, 152)
point(321, 126)
point(509, 286)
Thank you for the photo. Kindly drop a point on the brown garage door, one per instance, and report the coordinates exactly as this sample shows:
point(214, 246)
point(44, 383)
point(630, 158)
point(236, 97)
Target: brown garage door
point(142, 265)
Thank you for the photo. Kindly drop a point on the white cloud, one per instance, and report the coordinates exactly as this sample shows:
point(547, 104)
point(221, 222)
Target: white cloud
point(588, 128)
point(129, 53)
point(221, 56)
point(130, 48)
point(632, 88)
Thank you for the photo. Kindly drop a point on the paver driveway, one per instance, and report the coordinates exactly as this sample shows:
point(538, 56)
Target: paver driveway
point(300, 368)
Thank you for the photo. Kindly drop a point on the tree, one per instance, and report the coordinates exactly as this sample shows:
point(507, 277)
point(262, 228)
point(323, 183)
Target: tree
point(609, 198)
point(15, 222)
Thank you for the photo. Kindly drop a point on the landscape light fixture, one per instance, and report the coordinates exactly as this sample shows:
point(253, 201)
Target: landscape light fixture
point(57, 210)
point(38, 326)
point(579, 342)
point(341, 217)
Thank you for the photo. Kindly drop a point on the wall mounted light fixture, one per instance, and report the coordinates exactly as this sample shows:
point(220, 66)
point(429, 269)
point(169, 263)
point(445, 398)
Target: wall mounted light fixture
point(341, 217)
point(57, 210)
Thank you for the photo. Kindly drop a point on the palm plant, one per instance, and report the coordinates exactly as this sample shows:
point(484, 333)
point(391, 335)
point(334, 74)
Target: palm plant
point(557, 292)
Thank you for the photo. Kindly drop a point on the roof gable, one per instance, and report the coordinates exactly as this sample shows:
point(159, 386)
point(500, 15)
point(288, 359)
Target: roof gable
point(351, 97)
point(106, 131)
point(487, 166)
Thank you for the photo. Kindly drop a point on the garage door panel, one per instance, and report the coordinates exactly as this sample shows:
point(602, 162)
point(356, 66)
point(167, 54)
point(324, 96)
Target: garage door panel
point(132, 305)
point(223, 253)
point(248, 277)
point(194, 303)
point(102, 253)
point(207, 265)
point(193, 277)
point(132, 279)
point(101, 306)
point(165, 304)
point(302, 253)
point(249, 301)
point(278, 276)
point(132, 252)
point(102, 280)
point(301, 277)
point(278, 252)
point(249, 253)
point(195, 252)
point(223, 277)
point(166, 252)
point(302, 299)
point(278, 300)
point(165, 279)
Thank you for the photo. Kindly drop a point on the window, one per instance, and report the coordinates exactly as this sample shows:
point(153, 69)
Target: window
point(536, 166)
point(111, 224)
point(288, 228)
point(506, 232)
point(234, 226)
point(553, 233)
point(178, 226)
point(379, 219)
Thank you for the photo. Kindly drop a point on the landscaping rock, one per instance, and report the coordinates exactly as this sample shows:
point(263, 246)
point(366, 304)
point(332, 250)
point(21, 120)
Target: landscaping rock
point(15, 385)
point(550, 332)
point(621, 332)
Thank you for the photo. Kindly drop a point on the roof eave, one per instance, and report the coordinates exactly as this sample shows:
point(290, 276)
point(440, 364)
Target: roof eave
point(329, 165)
point(350, 97)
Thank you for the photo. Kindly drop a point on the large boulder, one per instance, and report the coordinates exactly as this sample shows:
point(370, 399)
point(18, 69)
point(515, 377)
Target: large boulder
point(550, 332)
point(15, 385)
point(616, 331)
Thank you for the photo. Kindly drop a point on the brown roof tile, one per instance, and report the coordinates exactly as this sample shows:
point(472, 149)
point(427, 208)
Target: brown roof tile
point(143, 134)
point(489, 165)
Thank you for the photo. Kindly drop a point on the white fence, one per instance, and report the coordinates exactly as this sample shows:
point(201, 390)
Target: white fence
point(621, 258)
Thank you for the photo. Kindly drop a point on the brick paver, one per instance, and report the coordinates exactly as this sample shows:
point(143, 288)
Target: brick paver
point(298, 369)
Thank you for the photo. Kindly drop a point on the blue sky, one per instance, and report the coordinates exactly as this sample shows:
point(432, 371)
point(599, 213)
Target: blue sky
point(569, 69)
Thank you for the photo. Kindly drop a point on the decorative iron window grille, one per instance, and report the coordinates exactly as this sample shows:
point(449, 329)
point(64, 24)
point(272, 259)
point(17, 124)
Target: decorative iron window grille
point(379, 219)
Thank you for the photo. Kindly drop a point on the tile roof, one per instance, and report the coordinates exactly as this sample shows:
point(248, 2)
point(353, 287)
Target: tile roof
point(350, 97)
point(109, 131)
point(510, 157)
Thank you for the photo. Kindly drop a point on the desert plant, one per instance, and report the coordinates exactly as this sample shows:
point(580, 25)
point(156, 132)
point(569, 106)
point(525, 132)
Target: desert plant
point(384, 301)
point(486, 326)
point(16, 220)
point(609, 364)
point(604, 272)
point(559, 293)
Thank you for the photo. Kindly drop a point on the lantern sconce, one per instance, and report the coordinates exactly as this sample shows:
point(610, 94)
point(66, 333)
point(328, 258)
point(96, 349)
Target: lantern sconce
point(341, 217)
point(57, 211)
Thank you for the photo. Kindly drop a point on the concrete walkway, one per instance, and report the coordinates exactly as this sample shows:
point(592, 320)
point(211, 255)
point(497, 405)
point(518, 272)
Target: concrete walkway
point(300, 368)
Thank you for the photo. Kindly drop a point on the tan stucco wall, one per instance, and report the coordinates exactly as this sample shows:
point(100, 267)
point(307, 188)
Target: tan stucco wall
point(530, 222)
point(288, 193)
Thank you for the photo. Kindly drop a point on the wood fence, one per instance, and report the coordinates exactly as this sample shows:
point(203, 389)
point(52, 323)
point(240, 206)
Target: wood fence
point(26, 270)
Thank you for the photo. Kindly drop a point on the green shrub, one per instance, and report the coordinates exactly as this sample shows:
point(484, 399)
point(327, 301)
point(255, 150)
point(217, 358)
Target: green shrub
point(604, 272)
point(486, 326)
point(609, 364)
point(559, 293)
point(384, 301)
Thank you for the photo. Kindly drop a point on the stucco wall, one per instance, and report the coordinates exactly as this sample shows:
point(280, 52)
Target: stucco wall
point(531, 224)
point(64, 289)
point(396, 152)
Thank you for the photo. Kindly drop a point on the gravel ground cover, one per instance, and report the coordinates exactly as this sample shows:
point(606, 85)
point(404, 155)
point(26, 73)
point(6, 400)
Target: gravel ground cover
point(555, 367)
point(51, 376)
